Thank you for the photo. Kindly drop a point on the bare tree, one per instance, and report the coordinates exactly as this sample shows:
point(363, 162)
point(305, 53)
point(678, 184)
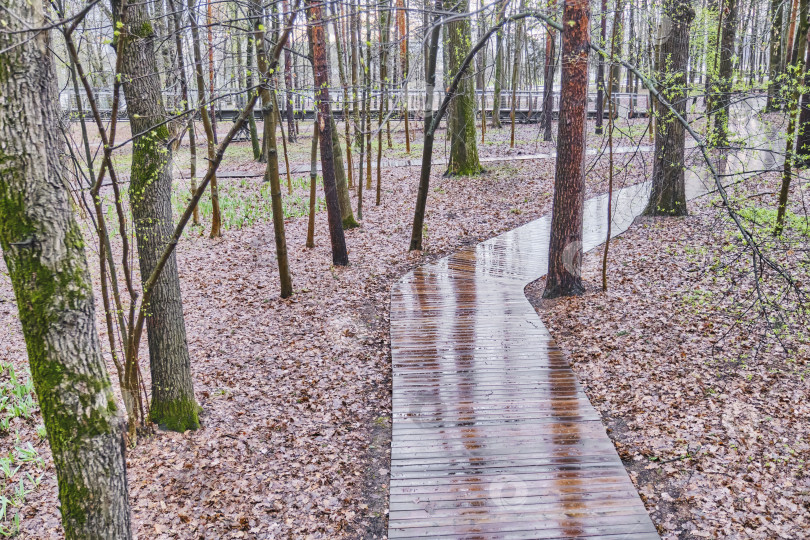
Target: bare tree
point(43, 250)
point(173, 404)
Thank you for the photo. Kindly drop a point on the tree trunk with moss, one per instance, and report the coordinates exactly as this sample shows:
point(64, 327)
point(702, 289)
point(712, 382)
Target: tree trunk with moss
point(721, 96)
point(461, 118)
point(344, 198)
point(173, 405)
point(668, 194)
point(346, 212)
point(776, 16)
point(496, 97)
point(43, 250)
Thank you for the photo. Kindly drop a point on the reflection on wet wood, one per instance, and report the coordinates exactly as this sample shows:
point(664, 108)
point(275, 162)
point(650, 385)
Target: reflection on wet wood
point(493, 436)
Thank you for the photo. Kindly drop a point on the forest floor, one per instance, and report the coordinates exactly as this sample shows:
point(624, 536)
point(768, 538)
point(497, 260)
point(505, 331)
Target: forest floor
point(295, 393)
point(705, 401)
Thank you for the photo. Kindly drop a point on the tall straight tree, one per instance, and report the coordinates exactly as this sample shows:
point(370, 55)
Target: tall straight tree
point(288, 84)
point(173, 404)
point(516, 74)
point(340, 256)
point(269, 115)
point(496, 99)
point(461, 118)
point(777, 13)
point(402, 27)
point(668, 195)
point(565, 246)
point(600, 71)
point(427, 150)
point(548, 77)
point(43, 250)
point(207, 119)
point(721, 96)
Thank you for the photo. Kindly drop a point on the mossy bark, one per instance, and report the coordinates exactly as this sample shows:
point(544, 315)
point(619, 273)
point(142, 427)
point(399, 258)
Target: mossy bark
point(173, 405)
point(346, 213)
point(461, 118)
point(721, 95)
point(44, 252)
point(668, 194)
point(496, 98)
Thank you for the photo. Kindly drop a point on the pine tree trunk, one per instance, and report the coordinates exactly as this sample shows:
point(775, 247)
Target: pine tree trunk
point(461, 118)
point(346, 213)
point(668, 195)
point(565, 246)
point(173, 405)
point(340, 255)
point(44, 252)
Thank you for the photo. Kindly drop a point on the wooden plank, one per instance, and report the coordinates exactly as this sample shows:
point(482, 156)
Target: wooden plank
point(493, 436)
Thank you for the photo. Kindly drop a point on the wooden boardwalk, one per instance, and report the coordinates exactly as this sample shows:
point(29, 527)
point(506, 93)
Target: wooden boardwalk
point(493, 436)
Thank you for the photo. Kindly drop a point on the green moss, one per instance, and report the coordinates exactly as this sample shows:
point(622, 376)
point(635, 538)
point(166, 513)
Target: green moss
point(149, 156)
point(45, 297)
point(176, 415)
point(73, 497)
point(349, 223)
point(142, 30)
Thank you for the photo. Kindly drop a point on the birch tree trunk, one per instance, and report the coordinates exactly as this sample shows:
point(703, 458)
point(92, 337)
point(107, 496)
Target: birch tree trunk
point(43, 250)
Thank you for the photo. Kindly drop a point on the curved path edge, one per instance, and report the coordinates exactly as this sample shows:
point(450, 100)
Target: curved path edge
point(493, 436)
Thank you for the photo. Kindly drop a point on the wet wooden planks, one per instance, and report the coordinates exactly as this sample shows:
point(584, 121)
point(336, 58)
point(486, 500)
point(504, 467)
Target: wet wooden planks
point(493, 436)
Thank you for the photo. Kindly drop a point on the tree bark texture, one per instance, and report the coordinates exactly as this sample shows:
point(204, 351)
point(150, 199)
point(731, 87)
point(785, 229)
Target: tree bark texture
point(173, 405)
point(43, 250)
point(496, 98)
point(777, 11)
point(668, 194)
point(461, 118)
point(565, 246)
point(340, 256)
point(722, 87)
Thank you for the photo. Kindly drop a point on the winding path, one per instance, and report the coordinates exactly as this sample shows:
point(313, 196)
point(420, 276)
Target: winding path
point(493, 436)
